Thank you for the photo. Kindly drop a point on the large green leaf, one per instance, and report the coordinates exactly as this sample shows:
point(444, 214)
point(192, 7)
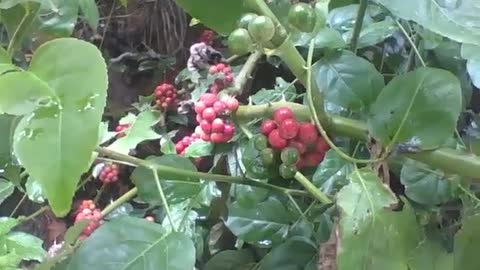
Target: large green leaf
point(374, 33)
point(25, 245)
point(348, 80)
point(466, 243)
point(409, 107)
point(6, 131)
point(58, 17)
point(295, 253)
point(371, 236)
point(6, 189)
point(6, 224)
point(457, 20)
point(90, 11)
point(265, 223)
point(231, 260)
point(66, 126)
point(427, 186)
point(141, 130)
point(219, 15)
point(131, 244)
point(331, 174)
point(177, 189)
point(430, 255)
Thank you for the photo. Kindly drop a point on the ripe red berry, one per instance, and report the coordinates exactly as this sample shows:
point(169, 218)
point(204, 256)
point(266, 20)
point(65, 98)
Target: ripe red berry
point(208, 99)
point(206, 126)
point(275, 140)
point(199, 118)
point(228, 130)
point(232, 104)
point(209, 114)
point(199, 107)
point(228, 79)
point(227, 70)
point(321, 145)
point(213, 70)
point(221, 67)
point(298, 145)
point(288, 128)
point(219, 107)
point(206, 137)
point(267, 127)
point(218, 125)
point(217, 138)
point(282, 114)
point(307, 133)
point(313, 159)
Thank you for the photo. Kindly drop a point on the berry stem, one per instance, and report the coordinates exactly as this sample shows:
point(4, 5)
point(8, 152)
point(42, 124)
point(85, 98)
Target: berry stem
point(312, 189)
point(245, 73)
point(163, 198)
point(121, 200)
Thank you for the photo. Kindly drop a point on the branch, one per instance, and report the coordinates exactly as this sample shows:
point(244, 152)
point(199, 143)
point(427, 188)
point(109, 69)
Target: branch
point(358, 25)
point(245, 73)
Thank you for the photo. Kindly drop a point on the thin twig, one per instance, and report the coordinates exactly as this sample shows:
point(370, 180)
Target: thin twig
point(412, 43)
point(358, 25)
point(245, 73)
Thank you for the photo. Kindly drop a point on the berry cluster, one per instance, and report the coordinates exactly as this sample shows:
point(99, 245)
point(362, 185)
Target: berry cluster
point(108, 173)
point(120, 129)
point(220, 83)
point(207, 36)
point(211, 112)
point(182, 145)
point(299, 143)
point(166, 96)
point(88, 211)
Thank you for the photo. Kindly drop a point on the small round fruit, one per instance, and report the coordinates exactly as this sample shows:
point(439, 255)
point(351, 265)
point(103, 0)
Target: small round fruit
point(209, 114)
point(217, 138)
point(245, 20)
point(206, 126)
point(313, 159)
point(261, 29)
point(307, 133)
point(267, 156)
point(232, 104)
point(288, 128)
point(275, 140)
point(228, 130)
point(260, 142)
point(289, 156)
point(321, 145)
point(267, 127)
point(302, 16)
point(208, 99)
point(218, 125)
point(287, 171)
point(282, 114)
point(301, 148)
point(239, 42)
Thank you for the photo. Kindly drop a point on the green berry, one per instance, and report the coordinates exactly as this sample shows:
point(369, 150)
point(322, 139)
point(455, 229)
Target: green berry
point(261, 29)
point(267, 156)
point(260, 142)
point(287, 171)
point(302, 16)
point(289, 156)
point(239, 42)
point(245, 20)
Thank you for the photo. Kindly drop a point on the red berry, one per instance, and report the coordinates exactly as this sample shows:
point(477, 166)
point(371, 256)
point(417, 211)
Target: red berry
point(199, 118)
point(227, 70)
point(206, 137)
point(298, 145)
point(217, 138)
point(275, 140)
point(228, 79)
point(209, 114)
point(219, 107)
point(313, 159)
point(267, 127)
point(179, 147)
point(198, 132)
point(206, 126)
point(218, 125)
point(208, 99)
point(321, 145)
point(228, 130)
point(213, 70)
point(307, 133)
point(232, 104)
point(186, 141)
point(288, 128)
point(221, 67)
point(214, 89)
point(282, 114)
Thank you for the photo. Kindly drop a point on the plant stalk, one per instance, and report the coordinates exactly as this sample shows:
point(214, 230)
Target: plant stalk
point(358, 25)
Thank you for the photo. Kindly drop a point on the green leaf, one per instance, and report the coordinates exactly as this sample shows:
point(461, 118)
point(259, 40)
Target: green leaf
point(6, 189)
point(427, 186)
point(456, 20)
point(4, 57)
point(430, 255)
point(408, 108)
point(374, 33)
point(348, 80)
point(199, 149)
point(220, 15)
point(329, 38)
point(27, 246)
point(372, 236)
point(7, 224)
point(265, 223)
point(231, 260)
point(72, 234)
point(90, 11)
point(465, 245)
point(332, 173)
point(66, 129)
point(283, 90)
point(183, 219)
point(295, 253)
point(139, 131)
point(10, 261)
point(176, 188)
point(58, 17)
point(34, 190)
point(473, 68)
point(252, 162)
point(468, 51)
point(7, 125)
point(18, 17)
point(343, 18)
point(133, 243)
point(167, 146)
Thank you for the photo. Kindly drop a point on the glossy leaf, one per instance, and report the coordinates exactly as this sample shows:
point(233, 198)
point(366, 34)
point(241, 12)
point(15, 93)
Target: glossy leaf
point(176, 188)
point(219, 15)
point(7, 224)
point(252, 162)
point(457, 20)
point(348, 80)
point(59, 17)
point(408, 109)
point(374, 33)
point(67, 126)
point(183, 219)
point(343, 18)
point(34, 191)
point(373, 237)
point(329, 38)
point(465, 244)
point(265, 223)
point(332, 173)
point(427, 186)
point(7, 125)
point(231, 260)
point(27, 246)
point(283, 90)
point(430, 255)
point(199, 149)
point(295, 253)
point(18, 18)
point(90, 11)
point(6, 189)
point(132, 243)
point(167, 146)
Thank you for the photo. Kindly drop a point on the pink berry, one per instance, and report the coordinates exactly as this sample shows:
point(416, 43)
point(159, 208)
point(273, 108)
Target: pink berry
point(267, 127)
point(227, 70)
point(217, 138)
point(219, 107)
point(209, 114)
point(221, 67)
point(218, 125)
point(275, 140)
point(208, 99)
point(232, 104)
point(299, 146)
point(206, 126)
point(288, 128)
point(313, 159)
point(206, 137)
point(228, 130)
point(282, 114)
point(321, 146)
point(228, 79)
point(307, 133)
point(213, 70)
